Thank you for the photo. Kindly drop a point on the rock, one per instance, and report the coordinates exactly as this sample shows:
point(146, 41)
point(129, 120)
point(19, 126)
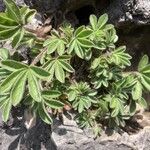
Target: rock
point(1, 6)
point(125, 12)
point(70, 137)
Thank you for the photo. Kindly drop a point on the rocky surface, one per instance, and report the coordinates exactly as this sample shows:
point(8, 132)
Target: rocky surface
point(69, 137)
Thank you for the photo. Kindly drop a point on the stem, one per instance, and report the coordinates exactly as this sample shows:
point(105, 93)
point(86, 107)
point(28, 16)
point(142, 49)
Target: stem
point(131, 72)
point(38, 57)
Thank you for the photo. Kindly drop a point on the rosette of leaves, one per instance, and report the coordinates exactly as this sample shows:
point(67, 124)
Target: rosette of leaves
point(81, 96)
point(56, 43)
point(103, 34)
point(80, 43)
point(13, 21)
point(58, 66)
point(100, 72)
point(120, 57)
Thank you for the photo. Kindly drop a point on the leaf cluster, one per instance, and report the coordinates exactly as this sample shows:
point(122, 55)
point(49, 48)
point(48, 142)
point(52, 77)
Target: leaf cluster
point(49, 82)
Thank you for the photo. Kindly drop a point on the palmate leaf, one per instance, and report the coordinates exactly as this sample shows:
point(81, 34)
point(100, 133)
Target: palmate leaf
point(57, 68)
point(55, 44)
point(98, 23)
point(119, 57)
point(12, 21)
point(80, 42)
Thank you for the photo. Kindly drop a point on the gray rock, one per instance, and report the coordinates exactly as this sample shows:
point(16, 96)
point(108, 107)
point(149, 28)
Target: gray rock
point(70, 137)
point(1, 6)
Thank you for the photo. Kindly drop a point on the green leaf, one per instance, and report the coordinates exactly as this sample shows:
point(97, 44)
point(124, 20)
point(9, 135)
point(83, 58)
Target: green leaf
point(72, 95)
point(3, 100)
point(143, 102)
point(12, 65)
point(79, 51)
point(6, 22)
point(93, 21)
point(13, 10)
point(34, 87)
point(115, 112)
point(51, 94)
point(132, 107)
point(85, 43)
point(137, 91)
point(145, 82)
point(59, 72)
point(8, 33)
point(66, 66)
point(143, 62)
point(44, 115)
point(54, 104)
point(6, 110)
point(146, 69)
point(27, 14)
point(17, 92)
point(102, 20)
point(18, 38)
point(84, 34)
point(9, 81)
point(79, 30)
point(4, 53)
point(39, 72)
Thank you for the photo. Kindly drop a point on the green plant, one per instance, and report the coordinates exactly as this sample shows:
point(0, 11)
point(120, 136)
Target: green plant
point(106, 92)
